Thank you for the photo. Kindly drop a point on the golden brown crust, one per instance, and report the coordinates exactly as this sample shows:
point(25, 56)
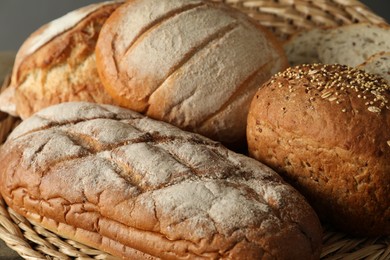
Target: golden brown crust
point(195, 64)
point(58, 65)
point(325, 128)
point(132, 186)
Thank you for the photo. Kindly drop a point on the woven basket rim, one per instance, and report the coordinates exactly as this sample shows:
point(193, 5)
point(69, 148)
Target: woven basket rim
point(284, 18)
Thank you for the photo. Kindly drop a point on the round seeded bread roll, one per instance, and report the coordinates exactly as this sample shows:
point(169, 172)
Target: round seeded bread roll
point(193, 63)
point(143, 189)
point(326, 129)
point(57, 62)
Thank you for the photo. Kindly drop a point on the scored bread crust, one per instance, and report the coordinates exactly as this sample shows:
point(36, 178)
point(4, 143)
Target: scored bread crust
point(325, 128)
point(142, 189)
point(57, 62)
point(194, 63)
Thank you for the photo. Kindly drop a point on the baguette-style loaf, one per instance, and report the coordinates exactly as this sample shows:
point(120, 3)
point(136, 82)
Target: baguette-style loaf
point(57, 62)
point(142, 189)
point(326, 129)
point(193, 63)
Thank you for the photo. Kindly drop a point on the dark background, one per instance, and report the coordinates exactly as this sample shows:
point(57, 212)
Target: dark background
point(19, 18)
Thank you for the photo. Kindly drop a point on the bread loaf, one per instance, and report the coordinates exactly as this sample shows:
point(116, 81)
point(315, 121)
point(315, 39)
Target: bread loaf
point(57, 62)
point(353, 44)
point(193, 63)
point(143, 189)
point(350, 44)
point(325, 128)
point(301, 48)
point(379, 64)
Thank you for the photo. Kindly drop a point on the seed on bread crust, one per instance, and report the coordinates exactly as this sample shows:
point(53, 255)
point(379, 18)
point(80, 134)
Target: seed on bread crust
point(341, 80)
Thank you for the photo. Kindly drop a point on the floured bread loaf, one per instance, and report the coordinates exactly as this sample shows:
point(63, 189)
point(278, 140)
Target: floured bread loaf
point(326, 129)
point(192, 63)
point(143, 189)
point(57, 62)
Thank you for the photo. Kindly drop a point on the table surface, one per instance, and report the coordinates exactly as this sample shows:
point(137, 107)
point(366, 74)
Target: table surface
point(7, 253)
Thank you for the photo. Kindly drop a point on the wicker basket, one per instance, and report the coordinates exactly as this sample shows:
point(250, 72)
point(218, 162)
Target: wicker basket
point(283, 17)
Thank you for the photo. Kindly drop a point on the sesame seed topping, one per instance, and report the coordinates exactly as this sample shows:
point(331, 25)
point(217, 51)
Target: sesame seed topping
point(339, 84)
point(327, 94)
point(374, 109)
point(344, 110)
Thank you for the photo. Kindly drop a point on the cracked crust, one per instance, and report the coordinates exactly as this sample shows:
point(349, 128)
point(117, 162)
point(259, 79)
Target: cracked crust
point(325, 128)
point(143, 189)
point(186, 63)
point(57, 62)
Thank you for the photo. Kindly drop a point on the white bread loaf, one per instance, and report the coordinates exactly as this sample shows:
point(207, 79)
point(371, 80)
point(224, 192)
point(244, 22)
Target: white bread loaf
point(301, 48)
point(57, 62)
point(378, 64)
point(142, 189)
point(352, 44)
point(348, 44)
point(193, 63)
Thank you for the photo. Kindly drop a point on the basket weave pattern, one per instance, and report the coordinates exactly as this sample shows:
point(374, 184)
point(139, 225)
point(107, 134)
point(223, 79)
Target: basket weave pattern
point(283, 17)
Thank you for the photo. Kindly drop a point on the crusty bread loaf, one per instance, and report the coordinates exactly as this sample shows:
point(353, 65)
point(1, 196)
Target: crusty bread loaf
point(326, 129)
point(379, 64)
point(352, 44)
point(57, 62)
point(142, 189)
point(192, 63)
